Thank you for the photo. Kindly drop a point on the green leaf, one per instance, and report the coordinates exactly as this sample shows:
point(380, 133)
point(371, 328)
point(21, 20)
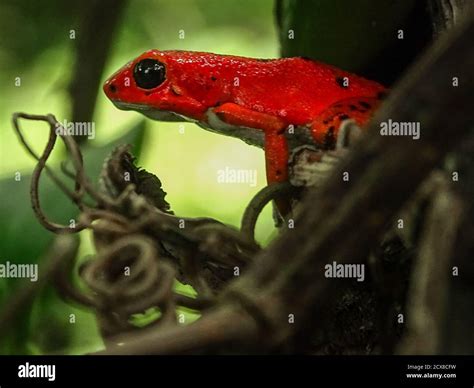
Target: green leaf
point(355, 35)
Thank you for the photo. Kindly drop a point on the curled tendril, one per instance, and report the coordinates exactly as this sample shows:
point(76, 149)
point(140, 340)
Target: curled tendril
point(129, 278)
point(141, 246)
point(259, 201)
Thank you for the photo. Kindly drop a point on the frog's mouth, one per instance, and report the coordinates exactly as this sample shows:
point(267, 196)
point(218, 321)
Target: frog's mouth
point(152, 113)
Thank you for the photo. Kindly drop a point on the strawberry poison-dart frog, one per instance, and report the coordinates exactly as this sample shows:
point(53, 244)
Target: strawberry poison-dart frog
point(256, 100)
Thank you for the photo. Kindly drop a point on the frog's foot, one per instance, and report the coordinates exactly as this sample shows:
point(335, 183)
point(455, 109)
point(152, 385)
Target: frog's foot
point(349, 133)
point(310, 166)
point(335, 130)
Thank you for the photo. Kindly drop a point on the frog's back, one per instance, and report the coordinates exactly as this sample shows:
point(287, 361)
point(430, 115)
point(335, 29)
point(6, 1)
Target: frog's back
point(296, 89)
point(300, 89)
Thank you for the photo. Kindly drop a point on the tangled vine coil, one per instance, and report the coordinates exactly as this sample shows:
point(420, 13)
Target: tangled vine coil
point(142, 247)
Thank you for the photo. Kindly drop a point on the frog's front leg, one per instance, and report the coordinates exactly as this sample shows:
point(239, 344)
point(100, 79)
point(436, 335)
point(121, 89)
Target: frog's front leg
point(275, 143)
point(276, 148)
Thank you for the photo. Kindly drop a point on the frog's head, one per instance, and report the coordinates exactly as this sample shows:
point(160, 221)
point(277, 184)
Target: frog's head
point(145, 84)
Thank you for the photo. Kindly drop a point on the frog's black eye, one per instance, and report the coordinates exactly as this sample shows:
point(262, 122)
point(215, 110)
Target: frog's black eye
point(149, 73)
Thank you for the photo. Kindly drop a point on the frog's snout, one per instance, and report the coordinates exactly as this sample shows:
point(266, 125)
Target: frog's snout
point(110, 88)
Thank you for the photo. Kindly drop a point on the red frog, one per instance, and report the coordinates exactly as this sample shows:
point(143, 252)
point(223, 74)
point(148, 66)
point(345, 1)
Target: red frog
point(265, 102)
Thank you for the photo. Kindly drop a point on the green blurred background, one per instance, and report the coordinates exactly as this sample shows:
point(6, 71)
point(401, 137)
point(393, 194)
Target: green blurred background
point(39, 50)
point(36, 45)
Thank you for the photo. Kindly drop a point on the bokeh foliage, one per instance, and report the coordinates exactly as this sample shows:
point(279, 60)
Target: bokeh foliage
point(36, 46)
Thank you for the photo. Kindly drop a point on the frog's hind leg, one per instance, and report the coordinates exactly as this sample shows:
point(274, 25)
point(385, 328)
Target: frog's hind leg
point(325, 128)
point(334, 131)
